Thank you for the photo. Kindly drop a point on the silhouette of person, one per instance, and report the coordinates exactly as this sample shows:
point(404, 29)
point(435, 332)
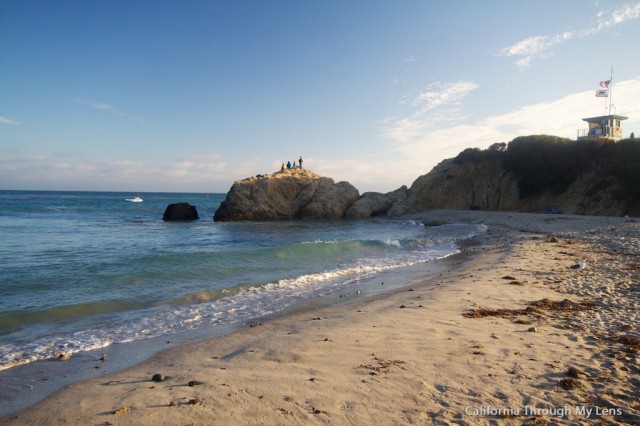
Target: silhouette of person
point(288, 164)
point(300, 160)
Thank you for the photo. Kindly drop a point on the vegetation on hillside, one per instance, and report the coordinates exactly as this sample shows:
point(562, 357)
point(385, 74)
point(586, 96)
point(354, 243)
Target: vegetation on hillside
point(549, 163)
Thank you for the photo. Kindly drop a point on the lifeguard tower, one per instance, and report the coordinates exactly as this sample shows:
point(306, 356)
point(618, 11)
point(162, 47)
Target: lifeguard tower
point(603, 127)
point(607, 126)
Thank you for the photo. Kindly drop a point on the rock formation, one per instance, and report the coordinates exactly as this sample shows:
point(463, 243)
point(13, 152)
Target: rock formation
point(180, 212)
point(378, 204)
point(289, 194)
point(532, 174)
point(487, 186)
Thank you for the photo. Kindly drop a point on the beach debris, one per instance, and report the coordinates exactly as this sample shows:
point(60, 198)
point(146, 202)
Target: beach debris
point(383, 365)
point(632, 343)
point(570, 383)
point(573, 372)
point(534, 308)
point(565, 305)
point(579, 266)
point(158, 377)
point(481, 313)
point(552, 239)
point(532, 330)
point(193, 383)
point(121, 411)
point(403, 306)
point(315, 410)
point(195, 401)
point(64, 357)
point(508, 277)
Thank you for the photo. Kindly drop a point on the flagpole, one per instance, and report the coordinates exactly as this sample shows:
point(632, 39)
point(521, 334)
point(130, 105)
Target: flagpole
point(610, 90)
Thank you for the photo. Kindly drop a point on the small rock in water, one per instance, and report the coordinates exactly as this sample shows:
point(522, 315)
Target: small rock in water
point(64, 357)
point(158, 377)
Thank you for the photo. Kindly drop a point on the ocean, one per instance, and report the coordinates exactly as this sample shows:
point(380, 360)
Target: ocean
point(87, 270)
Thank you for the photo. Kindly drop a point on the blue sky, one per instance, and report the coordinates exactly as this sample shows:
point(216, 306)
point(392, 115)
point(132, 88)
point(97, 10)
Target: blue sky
point(192, 95)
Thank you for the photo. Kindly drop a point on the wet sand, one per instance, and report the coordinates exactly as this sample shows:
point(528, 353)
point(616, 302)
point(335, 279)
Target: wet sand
point(511, 334)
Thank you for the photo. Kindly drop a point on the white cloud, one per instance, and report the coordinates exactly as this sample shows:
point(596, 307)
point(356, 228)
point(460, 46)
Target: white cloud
point(8, 121)
point(413, 151)
point(538, 46)
point(434, 107)
point(103, 106)
point(207, 173)
point(561, 117)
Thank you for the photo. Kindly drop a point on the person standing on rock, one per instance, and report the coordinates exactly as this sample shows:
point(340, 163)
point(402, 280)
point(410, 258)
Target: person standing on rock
point(288, 164)
point(300, 160)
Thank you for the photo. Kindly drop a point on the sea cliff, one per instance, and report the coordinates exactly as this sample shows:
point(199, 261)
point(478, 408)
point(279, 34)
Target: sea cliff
point(537, 173)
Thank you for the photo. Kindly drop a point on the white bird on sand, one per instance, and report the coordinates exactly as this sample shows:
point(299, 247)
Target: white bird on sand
point(579, 265)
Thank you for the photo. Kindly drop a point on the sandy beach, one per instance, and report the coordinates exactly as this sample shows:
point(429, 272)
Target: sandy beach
point(511, 334)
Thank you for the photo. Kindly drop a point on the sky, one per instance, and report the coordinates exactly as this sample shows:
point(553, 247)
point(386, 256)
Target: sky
point(189, 96)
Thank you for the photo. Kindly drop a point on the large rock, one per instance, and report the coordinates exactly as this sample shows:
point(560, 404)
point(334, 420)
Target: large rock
point(486, 185)
point(377, 204)
point(180, 212)
point(471, 185)
point(290, 194)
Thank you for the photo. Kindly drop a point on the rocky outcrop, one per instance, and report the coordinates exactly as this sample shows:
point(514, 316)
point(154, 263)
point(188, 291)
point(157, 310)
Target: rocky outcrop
point(180, 212)
point(472, 185)
point(378, 204)
point(532, 174)
point(485, 185)
point(289, 194)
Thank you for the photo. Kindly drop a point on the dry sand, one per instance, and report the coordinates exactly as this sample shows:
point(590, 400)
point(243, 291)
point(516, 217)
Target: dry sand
point(461, 348)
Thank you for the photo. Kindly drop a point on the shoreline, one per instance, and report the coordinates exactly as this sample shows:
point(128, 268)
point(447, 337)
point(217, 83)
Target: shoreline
point(411, 355)
point(25, 385)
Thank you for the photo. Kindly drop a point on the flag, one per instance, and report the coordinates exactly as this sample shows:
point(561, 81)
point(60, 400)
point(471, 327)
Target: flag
point(605, 84)
point(602, 93)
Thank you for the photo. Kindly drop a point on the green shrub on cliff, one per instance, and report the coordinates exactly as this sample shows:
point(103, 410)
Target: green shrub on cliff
point(550, 163)
point(543, 163)
point(476, 155)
